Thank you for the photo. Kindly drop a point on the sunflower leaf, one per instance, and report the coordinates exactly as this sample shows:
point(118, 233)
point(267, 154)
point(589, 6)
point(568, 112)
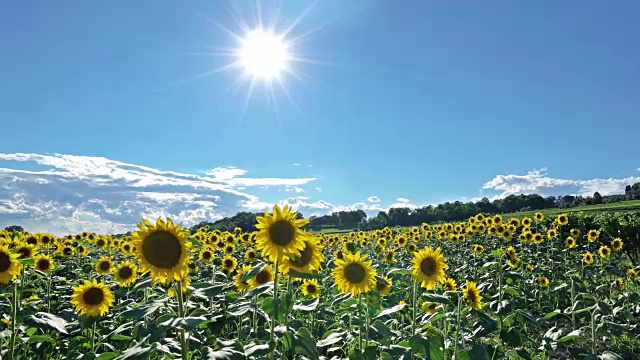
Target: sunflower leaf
point(302, 275)
point(391, 310)
point(437, 298)
point(260, 290)
point(307, 306)
point(49, 320)
point(253, 272)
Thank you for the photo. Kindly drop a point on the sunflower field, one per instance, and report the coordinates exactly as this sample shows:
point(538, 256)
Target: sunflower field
point(561, 287)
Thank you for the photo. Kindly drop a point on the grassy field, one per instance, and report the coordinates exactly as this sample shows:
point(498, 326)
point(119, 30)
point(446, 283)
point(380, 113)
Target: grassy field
point(631, 205)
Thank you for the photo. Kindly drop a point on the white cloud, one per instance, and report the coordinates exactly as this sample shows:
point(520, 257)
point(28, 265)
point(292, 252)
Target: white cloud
point(319, 189)
point(537, 181)
point(403, 200)
point(70, 193)
point(373, 199)
point(296, 189)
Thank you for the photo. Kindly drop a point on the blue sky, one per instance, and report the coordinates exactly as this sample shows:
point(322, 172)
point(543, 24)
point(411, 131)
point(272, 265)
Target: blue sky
point(416, 104)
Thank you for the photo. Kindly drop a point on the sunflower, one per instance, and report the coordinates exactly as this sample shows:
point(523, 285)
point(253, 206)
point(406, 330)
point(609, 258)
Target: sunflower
point(280, 234)
point(31, 240)
point(429, 266)
point(172, 287)
point(633, 273)
point(477, 249)
point(552, 233)
point(514, 262)
point(562, 219)
point(450, 284)
point(570, 242)
point(229, 249)
point(44, 263)
point(250, 255)
point(306, 261)
point(206, 254)
point(528, 235)
point(588, 258)
point(472, 294)
point(401, 240)
point(411, 248)
point(162, 249)
point(10, 266)
point(543, 281)
point(229, 262)
point(92, 298)
point(104, 265)
point(526, 222)
point(430, 308)
point(263, 277)
point(390, 257)
point(354, 274)
point(310, 288)
point(604, 251)
point(384, 287)
point(539, 216)
point(616, 244)
point(242, 286)
point(125, 274)
point(593, 235)
point(511, 252)
point(339, 255)
point(25, 250)
point(538, 238)
point(575, 233)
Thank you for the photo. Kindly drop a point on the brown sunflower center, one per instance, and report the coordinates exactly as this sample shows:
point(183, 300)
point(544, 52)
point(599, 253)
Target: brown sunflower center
point(105, 265)
point(125, 273)
point(31, 240)
point(162, 249)
point(24, 253)
point(44, 264)
point(228, 263)
point(67, 251)
point(5, 262)
point(311, 289)
point(93, 296)
point(282, 232)
point(429, 266)
point(263, 277)
point(206, 255)
point(101, 243)
point(354, 273)
point(304, 258)
point(471, 296)
point(380, 286)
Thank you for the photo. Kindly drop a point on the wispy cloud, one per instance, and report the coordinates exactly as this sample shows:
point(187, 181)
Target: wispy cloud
point(373, 199)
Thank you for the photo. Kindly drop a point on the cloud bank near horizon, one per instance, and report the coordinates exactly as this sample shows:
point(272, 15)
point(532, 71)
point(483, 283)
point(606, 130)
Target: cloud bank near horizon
point(62, 194)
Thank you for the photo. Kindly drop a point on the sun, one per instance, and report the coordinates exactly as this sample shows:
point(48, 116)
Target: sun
point(263, 54)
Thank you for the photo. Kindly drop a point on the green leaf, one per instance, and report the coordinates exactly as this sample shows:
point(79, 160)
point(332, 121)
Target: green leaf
point(28, 262)
point(41, 339)
point(210, 291)
point(400, 271)
point(140, 285)
point(381, 280)
point(307, 306)
point(257, 350)
point(120, 337)
point(254, 271)
point(523, 354)
point(260, 290)
point(511, 337)
point(381, 329)
point(437, 298)
point(49, 320)
point(305, 343)
point(609, 355)
point(137, 352)
point(552, 314)
point(570, 336)
point(419, 344)
point(302, 275)
point(391, 310)
point(107, 356)
point(333, 338)
point(226, 353)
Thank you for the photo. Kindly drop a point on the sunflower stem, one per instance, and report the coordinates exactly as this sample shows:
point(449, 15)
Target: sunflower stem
point(275, 311)
point(14, 319)
point(413, 305)
point(93, 335)
point(49, 293)
point(360, 329)
point(181, 312)
point(455, 342)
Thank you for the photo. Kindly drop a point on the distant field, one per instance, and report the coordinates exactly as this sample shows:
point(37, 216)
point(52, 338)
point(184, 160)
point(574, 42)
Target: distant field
point(631, 205)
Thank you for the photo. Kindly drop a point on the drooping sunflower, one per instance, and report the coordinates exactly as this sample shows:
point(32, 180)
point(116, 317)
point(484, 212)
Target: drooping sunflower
point(44, 263)
point(450, 284)
point(10, 266)
point(307, 260)
point(310, 288)
point(472, 294)
point(570, 242)
point(588, 258)
point(604, 251)
point(242, 286)
point(430, 308)
point(543, 281)
point(616, 244)
point(429, 267)
point(354, 274)
point(92, 298)
point(162, 249)
point(125, 274)
point(384, 287)
point(206, 254)
point(263, 277)
point(104, 265)
point(280, 233)
point(562, 219)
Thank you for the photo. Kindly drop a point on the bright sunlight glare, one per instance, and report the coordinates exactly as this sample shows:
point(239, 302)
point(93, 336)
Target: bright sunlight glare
point(263, 54)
